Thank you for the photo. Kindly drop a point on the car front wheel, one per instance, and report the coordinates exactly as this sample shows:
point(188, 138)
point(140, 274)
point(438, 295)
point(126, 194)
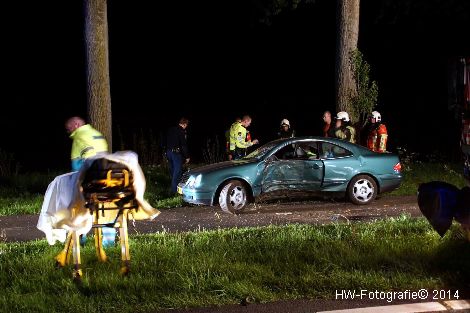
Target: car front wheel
point(362, 189)
point(233, 197)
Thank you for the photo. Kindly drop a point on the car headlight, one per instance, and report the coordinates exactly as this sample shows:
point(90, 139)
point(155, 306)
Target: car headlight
point(197, 182)
point(190, 181)
point(194, 182)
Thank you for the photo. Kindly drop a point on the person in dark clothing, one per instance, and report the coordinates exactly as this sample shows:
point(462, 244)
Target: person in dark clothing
point(328, 130)
point(285, 130)
point(177, 151)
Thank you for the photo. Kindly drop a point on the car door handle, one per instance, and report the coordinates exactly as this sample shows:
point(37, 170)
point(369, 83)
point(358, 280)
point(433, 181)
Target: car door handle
point(315, 166)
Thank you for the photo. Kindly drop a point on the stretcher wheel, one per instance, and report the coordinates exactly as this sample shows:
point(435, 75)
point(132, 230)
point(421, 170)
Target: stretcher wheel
point(77, 276)
point(126, 268)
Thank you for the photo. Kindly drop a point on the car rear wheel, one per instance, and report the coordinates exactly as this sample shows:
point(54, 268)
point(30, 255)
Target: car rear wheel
point(362, 189)
point(233, 197)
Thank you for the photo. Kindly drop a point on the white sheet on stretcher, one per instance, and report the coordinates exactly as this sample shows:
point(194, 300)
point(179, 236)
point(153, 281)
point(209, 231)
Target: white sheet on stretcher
point(64, 193)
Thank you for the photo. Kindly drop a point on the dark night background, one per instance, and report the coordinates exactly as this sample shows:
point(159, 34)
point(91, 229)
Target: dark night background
point(214, 60)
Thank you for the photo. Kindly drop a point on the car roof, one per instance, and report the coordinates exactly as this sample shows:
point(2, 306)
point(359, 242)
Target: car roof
point(305, 138)
point(336, 141)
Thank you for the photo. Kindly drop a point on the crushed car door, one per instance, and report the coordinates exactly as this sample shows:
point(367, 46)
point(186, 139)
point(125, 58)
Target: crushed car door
point(297, 172)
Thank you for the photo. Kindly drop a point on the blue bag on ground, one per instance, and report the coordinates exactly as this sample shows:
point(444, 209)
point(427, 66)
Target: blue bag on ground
point(438, 201)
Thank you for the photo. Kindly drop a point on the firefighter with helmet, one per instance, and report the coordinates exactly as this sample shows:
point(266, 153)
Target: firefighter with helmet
point(285, 130)
point(377, 134)
point(343, 128)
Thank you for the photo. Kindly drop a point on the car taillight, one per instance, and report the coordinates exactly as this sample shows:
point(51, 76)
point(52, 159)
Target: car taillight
point(397, 167)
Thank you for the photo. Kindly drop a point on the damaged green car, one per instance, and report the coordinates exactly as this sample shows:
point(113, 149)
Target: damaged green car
point(321, 166)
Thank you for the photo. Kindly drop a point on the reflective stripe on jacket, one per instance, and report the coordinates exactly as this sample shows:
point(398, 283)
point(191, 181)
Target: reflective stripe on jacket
point(238, 137)
point(353, 134)
point(347, 133)
point(377, 139)
point(87, 142)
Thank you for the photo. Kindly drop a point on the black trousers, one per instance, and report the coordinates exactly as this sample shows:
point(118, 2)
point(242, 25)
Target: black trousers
point(238, 153)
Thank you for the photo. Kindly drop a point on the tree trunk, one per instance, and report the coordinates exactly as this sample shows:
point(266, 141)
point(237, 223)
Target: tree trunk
point(348, 33)
point(98, 86)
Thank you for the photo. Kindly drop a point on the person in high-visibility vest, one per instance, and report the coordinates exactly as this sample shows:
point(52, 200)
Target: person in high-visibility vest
point(238, 138)
point(227, 141)
point(377, 136)
point(343, 128)
point(87, 142)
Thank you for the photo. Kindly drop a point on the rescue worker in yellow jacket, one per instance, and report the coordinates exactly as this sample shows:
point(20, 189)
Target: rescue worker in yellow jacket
point(238, 138)
point(227, 140)
point(377, 135)
point(343, 128)
point(87, 141)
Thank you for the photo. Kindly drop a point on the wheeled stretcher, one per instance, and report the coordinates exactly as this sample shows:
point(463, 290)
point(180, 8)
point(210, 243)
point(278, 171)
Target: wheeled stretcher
point(109, 195)
point(107, 192)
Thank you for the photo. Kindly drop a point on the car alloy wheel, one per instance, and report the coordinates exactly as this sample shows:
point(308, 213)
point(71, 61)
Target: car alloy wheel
point(233, 197)
point(362, 189)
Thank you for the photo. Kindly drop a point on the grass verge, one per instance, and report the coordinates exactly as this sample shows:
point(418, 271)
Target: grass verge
point(227, 266)
point(417, 173)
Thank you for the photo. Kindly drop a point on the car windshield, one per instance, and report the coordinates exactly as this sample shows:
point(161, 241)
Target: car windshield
point(261, 151)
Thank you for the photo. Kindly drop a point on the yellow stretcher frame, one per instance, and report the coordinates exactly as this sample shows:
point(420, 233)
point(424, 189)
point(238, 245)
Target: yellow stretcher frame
point(110, 207)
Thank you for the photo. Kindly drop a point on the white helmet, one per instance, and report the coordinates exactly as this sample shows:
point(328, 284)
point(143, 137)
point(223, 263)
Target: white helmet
point(285, 122)
point(342, 116)
point(377, 116)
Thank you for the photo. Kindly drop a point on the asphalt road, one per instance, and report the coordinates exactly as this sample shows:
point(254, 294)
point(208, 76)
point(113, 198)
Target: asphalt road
point(196, 218)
